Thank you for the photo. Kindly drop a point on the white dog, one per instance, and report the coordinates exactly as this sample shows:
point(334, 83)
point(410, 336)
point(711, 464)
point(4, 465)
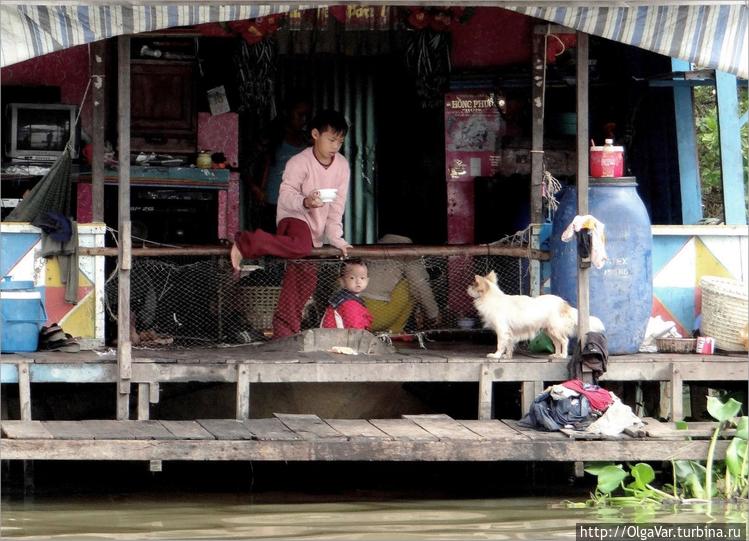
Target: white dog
point(518, 317)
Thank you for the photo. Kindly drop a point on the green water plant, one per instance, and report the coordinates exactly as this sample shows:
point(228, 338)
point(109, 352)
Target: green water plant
point(692, 481)
point(639, 490)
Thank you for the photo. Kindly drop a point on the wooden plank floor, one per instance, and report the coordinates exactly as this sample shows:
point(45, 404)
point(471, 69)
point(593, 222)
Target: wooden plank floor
point(310, 438)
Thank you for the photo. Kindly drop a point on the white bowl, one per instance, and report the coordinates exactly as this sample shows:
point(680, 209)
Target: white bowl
point(328, 194)
point(466, 323)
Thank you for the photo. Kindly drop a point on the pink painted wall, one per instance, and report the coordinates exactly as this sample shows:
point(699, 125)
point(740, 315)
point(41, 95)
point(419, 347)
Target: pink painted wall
point(492, 37)
point(67, 69)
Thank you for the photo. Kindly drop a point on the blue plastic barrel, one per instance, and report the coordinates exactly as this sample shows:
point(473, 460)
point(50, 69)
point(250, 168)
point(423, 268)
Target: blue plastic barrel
point(621, 293)
point(22, 314)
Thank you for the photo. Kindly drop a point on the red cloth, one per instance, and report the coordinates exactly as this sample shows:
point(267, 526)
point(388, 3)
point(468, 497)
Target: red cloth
point(299, 283)
point(293, 240)
point(353, 313)
point(600, 399)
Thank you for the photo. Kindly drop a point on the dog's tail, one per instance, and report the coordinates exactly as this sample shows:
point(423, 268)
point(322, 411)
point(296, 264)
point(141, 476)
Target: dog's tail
point(594, 324)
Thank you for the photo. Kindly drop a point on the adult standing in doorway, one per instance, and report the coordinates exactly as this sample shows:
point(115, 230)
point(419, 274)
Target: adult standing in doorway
point(289, 136)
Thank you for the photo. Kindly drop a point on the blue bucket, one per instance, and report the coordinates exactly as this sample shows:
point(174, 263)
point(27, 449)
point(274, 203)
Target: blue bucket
point(22, 315)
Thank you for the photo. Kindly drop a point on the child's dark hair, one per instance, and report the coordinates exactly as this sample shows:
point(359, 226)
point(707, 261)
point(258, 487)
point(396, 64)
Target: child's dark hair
point(352, 261)
point(328, 118)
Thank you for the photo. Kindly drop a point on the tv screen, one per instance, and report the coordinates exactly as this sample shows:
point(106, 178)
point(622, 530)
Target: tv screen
point(40, 131)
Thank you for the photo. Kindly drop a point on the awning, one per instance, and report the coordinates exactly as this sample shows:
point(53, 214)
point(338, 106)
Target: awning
point(710, 35)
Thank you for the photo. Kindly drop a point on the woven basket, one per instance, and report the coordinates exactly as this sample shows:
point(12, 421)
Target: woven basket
point(725, 308)
point(676, 345)
point(259, 305)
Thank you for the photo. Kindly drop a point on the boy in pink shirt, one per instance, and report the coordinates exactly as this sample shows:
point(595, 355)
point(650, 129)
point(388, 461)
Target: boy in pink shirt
point(303, 219)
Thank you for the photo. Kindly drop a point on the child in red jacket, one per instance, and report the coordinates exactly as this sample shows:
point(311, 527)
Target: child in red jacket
point(346, 310)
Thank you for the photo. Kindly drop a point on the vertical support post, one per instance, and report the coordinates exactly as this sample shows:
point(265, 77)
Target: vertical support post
point(144, 404)
point(529, 390)
point(686, 141)
point(153, 394)
point(583, 278)
point(243, 391)
point(537, 149)
point(98, 97)
point(485, 392)
point(124, 347)
point(677, 394)
point(731, 161)
point(24, 391)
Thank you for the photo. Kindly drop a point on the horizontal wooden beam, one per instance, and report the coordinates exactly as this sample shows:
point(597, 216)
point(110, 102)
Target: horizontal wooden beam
point(298, 369)
point(358, 450)
point(370, 251)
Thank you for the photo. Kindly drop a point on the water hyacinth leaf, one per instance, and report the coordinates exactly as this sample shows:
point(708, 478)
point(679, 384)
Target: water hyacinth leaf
point(595, 469)
point(722, 411)
point(643, 474)
point(742, 428)
point(610, 477)
point(735, 453)
point(695, 486)
point(684, 468)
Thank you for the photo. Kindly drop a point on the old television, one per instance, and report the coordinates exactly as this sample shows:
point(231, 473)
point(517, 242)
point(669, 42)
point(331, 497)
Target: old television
point(40, 131)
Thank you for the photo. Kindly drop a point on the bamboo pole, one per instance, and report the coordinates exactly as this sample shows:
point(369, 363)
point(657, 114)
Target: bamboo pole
point(368, 251)
point(125, 248)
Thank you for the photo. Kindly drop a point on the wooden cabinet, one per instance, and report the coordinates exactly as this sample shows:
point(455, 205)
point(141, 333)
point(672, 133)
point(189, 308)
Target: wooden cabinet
point(163, 104)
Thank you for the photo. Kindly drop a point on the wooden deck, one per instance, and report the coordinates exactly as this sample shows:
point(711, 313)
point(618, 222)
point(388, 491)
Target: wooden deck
point(245, 366)
point(309, 438)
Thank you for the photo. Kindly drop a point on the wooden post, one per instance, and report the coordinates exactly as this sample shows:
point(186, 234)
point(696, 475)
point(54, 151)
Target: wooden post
point(124, 255)
point(731, 161)
point(537, 149)
point(485, 392)
point(583, 292)
point(243, 391)
point(689, 169)
point(677, 394)
point(153, 395)
point(98, 96)
point(529, 390)
point(24, 391)
point(144, 404)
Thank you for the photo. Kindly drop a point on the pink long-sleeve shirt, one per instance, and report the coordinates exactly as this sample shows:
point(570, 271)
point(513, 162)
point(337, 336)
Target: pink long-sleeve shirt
point(303, 176)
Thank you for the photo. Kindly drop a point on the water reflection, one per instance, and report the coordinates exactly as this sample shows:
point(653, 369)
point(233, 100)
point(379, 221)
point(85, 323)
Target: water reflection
point(221, 516)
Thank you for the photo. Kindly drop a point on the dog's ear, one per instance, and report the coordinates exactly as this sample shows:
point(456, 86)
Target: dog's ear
point(492, 277)
point(480, 283)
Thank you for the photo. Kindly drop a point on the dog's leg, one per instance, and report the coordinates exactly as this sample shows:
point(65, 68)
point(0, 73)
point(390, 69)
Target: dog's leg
point(501, 341)
point(509, 349)
point(560, 346)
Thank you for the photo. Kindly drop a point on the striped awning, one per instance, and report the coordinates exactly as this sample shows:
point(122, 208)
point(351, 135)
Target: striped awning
point(711, 35)
point(27, 30)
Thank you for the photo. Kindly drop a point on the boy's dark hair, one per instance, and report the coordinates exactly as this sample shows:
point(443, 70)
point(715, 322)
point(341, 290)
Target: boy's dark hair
point(352, 261)
point(328, 118)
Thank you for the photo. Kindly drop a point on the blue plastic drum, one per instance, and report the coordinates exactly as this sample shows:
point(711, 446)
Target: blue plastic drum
point(621, 293)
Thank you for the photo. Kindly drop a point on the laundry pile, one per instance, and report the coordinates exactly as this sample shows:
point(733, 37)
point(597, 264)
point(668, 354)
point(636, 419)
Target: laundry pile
point(581, 406)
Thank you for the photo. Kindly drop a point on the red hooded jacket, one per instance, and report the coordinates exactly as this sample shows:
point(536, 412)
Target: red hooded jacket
point(351, 311)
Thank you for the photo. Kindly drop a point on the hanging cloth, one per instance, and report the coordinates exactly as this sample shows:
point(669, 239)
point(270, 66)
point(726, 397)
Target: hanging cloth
point(596, 229)
point(51, 193)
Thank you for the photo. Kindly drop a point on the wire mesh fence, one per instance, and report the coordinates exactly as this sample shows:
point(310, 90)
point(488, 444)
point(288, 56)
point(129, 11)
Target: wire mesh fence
point(191, 301)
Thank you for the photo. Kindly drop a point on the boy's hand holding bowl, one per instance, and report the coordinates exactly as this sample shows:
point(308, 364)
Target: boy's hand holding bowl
point(327, 195)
